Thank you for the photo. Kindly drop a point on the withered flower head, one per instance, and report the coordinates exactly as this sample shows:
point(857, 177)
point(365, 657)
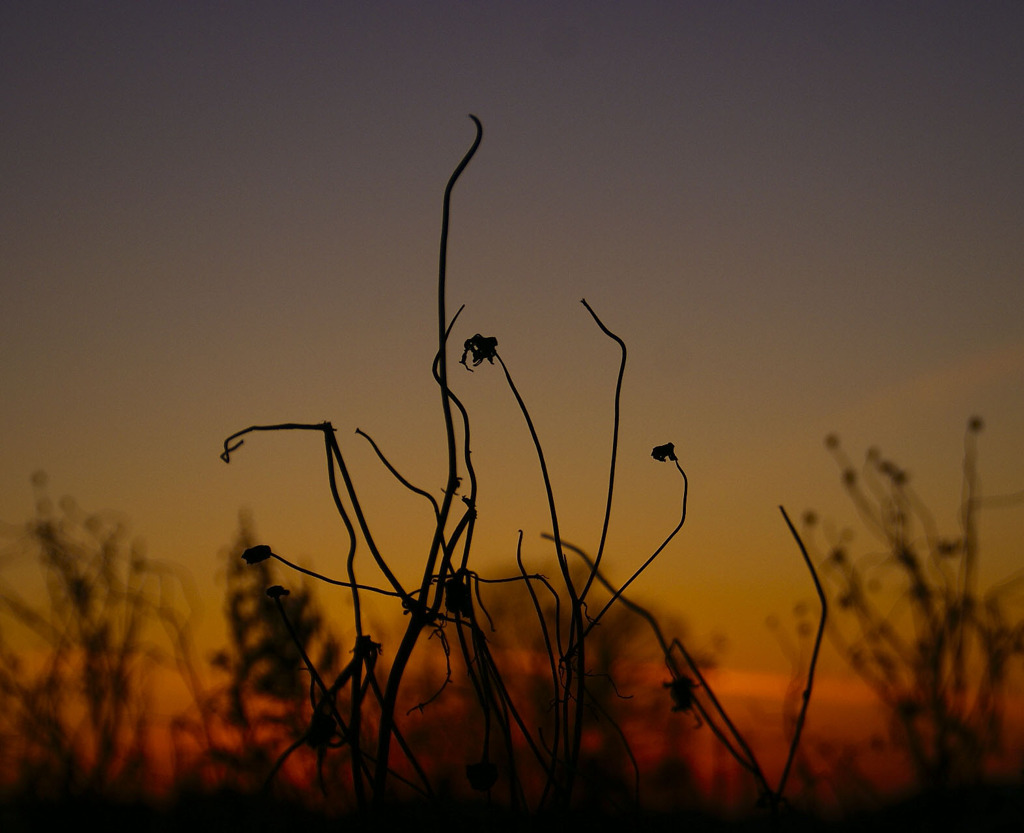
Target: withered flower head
point(254, 555)
point(661, 453)
point(681, 689)
point(277, 591)
point(480, 347)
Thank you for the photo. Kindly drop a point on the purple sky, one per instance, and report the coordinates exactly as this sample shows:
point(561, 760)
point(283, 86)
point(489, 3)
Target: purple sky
point(801, 217)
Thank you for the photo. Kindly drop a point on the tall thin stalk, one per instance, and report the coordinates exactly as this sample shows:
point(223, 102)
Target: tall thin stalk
point(418, 619)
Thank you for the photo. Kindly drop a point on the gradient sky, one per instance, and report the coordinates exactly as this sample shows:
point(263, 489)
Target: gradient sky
point(801, 217)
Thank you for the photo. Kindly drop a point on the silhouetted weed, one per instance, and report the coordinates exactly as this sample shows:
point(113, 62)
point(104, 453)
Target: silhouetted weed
point(79, 666)
point(937, 651)
point(542, 766)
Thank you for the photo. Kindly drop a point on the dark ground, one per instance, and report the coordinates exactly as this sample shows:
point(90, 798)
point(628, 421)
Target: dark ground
point(982, 810)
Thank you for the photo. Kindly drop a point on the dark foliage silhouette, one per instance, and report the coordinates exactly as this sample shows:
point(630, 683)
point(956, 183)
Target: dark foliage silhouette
point(252, 709)
point(940, 653)
point(78, 662)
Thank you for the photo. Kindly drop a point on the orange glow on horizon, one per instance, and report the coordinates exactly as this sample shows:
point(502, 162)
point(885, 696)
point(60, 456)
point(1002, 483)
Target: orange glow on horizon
point(845, 728)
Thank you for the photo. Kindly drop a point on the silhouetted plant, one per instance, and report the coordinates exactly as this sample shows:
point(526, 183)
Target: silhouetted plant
point(424, 605)
point(689, 687)
point(444, 600)
point(77, 667)
point(936, 650)
point(254, 708)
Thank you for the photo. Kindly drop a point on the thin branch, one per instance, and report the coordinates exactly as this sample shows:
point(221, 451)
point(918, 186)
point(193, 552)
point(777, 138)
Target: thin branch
point(814, 656)
point(613, 456)
point(387, 463)
point(336, 582)
point(284, 426)
point(618, 593)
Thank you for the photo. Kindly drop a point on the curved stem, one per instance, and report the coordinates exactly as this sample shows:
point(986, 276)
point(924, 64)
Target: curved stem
point(418, 619)
point(814, 656)
point(614, 452)
point(395, 473)
point(618, 593)
point(553, 512)
point(549, 648)
point(334, 581)
point(364, 527)
point(283, 426)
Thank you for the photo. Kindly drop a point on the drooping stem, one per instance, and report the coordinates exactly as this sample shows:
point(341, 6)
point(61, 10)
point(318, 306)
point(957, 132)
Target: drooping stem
point(618, 593)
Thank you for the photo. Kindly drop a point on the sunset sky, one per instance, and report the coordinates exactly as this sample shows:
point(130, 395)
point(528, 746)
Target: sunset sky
point(802, 218)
